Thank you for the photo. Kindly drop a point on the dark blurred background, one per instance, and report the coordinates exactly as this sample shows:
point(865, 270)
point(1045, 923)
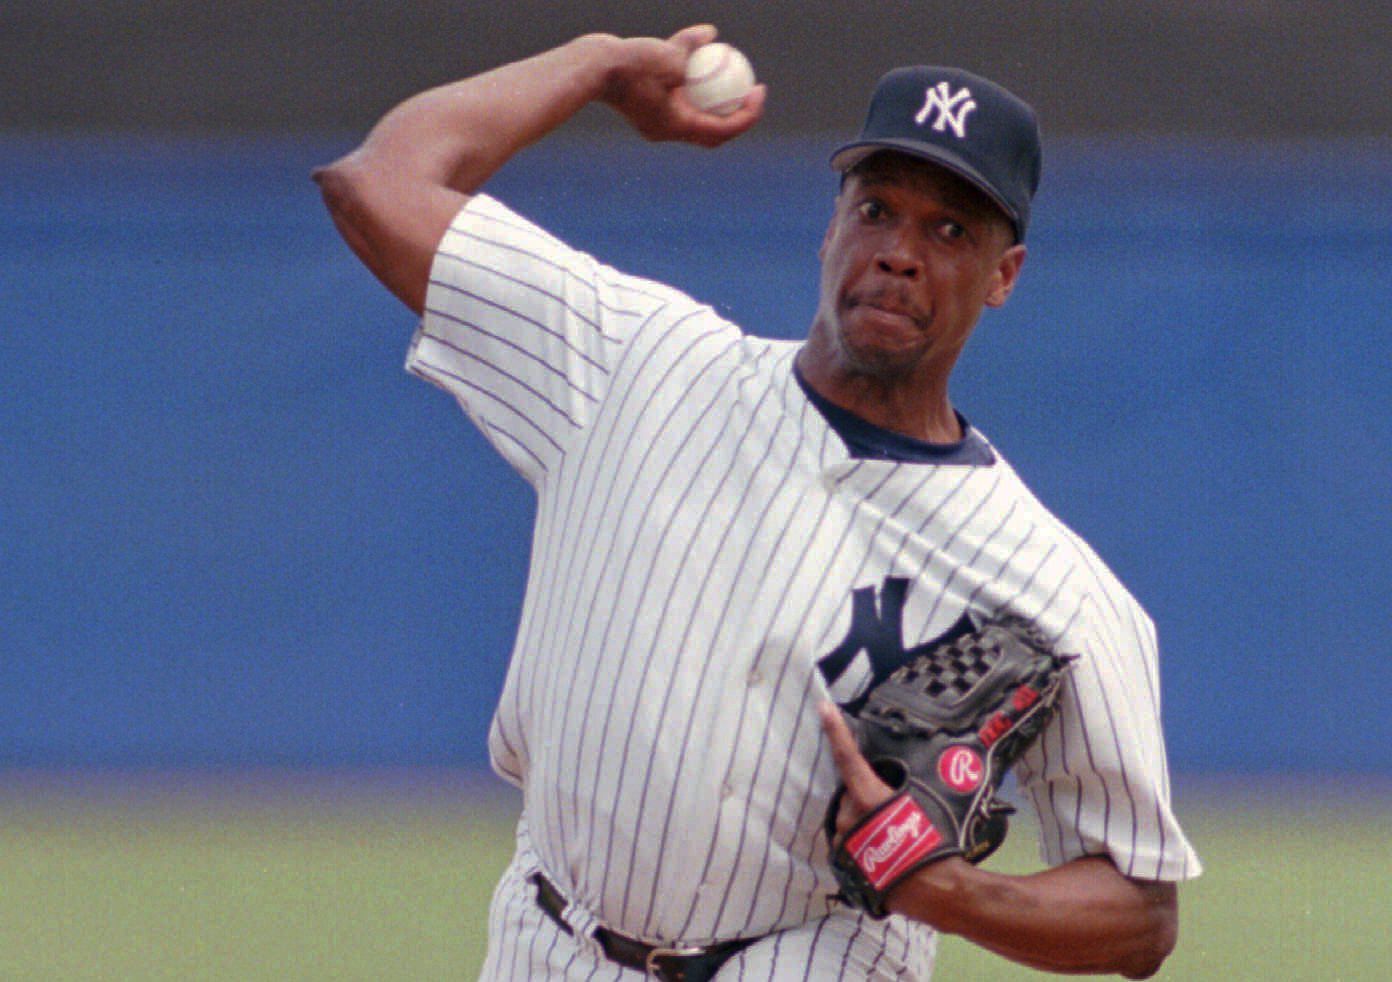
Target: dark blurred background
point(1236, 68)
point(233, 533)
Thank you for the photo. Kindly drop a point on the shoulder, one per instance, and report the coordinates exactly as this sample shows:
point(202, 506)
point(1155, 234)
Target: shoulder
point(492, 258)
point(1088, 603)
point(486, 226)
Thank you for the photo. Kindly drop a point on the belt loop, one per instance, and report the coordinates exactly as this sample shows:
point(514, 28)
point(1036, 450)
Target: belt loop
point(570, 917)
point(549, 899)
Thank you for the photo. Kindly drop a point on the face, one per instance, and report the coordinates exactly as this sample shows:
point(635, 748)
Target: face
point(912, 256)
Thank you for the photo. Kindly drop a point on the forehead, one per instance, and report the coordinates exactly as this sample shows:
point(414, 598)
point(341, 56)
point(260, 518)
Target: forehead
point(902, 172)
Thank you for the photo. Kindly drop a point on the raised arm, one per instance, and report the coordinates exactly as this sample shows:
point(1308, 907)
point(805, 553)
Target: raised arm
point(1081, 917)
point(394, 196)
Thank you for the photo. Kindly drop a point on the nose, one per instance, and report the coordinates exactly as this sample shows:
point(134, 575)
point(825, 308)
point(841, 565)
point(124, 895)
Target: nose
point(897, 257)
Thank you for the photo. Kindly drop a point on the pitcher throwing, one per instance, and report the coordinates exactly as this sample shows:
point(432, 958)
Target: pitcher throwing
point(734, 535)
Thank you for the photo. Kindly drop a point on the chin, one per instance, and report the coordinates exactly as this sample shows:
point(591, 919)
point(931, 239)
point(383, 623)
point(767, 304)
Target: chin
point(881, 360)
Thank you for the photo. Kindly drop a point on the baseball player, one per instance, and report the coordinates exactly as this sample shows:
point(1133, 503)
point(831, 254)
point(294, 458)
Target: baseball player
point(735, 535)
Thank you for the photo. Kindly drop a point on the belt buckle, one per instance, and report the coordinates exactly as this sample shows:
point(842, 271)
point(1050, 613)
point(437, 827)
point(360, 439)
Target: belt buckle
point(654, 970)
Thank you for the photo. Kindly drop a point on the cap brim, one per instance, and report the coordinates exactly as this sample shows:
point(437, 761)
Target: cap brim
point(850, 154)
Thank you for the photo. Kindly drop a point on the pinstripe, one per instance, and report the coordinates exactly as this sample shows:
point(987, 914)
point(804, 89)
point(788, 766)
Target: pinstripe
point(710, 853)
point(974, 562)
point(522, 693)
point(903, 971)
point(536, 622)
point(473, 387)
point(598, 451)
point(1104, 787)
point(478, 329)
point(1061, 579)
point(548, 296)
point(945, 590)
point(886, 519)
point(1042, 796)
point(499, 434)
point(1089, 558)
point(700, 530)
point(804, 804)
point(787, 662)
point(777, 949)
point(512, 376)
point(533, 259)
point(879, 955)
point(629, 642)
point(762, 574)
point(811, 833)
point(519, 904)
point(556, 936)
point(597, 525)
point(490, 212)
point(590, 610)
point(963, 476)
point(706, 866)
point(686, 736)
point(1073, 684)
point(1125, 780)
point(816, 938)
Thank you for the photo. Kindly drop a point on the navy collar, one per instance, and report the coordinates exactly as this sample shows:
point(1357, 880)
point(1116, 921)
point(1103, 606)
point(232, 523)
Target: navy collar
point(866, 441)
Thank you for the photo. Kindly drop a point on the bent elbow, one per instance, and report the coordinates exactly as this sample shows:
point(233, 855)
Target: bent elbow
point(338, 185)
point(347, 189)
point(1155, 945)
point(393, 223)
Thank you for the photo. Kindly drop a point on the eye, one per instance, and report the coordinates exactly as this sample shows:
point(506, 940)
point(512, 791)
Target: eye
point(871, 209)
point(951, 230)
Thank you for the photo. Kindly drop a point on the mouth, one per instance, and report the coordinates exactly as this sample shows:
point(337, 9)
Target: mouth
point(890, 311)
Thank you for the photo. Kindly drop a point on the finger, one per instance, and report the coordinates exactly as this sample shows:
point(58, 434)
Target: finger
point(691, 38)
point(712, 130)
point(750, 110)
point(863, 785)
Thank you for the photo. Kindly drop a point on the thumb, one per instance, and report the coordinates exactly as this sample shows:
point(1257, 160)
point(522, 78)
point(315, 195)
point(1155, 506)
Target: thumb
point(864, 787)
point(691, 38)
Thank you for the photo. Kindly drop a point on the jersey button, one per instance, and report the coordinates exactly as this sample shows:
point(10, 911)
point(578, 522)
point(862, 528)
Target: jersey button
point(755, 677)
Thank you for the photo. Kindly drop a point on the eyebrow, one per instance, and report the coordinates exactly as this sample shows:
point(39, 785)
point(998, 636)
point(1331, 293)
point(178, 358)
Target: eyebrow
point(958, 196)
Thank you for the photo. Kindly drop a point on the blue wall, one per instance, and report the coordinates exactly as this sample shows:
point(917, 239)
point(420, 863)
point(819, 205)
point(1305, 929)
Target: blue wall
point(234, 532)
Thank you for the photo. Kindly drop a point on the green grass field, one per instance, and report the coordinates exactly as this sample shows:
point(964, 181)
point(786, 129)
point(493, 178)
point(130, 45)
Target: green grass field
point(291, 884)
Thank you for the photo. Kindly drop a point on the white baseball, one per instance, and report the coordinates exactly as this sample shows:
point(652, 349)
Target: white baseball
point(718, 77)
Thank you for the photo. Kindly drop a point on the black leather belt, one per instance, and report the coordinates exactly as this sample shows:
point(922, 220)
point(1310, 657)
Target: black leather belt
point(674, 964)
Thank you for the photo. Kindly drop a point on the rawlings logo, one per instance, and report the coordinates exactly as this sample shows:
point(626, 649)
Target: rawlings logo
point(892, 841)
point(960, 769)
point(872, 856)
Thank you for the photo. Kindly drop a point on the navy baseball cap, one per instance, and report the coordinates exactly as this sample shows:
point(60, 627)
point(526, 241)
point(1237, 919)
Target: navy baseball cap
point(966, 123)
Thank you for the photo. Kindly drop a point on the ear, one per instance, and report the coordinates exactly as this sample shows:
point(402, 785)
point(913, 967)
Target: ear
point(831, 226)
point(1006, 275)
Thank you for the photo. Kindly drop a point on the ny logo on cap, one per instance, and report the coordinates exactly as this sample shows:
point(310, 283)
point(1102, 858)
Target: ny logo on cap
point(952, 109)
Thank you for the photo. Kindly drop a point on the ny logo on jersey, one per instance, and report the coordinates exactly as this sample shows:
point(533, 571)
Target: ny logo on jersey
point(878, 630)
point(952, 108)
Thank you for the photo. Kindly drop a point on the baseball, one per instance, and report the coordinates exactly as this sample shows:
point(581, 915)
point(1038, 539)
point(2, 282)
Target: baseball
point(718, 77)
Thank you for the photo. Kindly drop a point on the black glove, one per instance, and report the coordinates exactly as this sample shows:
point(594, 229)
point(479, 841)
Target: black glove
point(943, 731)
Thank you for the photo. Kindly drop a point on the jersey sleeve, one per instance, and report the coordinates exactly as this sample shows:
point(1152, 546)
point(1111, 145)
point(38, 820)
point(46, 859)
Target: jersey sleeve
point(1098, 778)
point(524, 331)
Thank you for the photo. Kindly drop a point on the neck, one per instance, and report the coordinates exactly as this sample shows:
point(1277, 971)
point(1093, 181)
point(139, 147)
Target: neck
point(914, 404)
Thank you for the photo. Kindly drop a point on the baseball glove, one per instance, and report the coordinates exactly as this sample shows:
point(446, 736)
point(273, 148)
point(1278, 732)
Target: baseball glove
point(943, 731)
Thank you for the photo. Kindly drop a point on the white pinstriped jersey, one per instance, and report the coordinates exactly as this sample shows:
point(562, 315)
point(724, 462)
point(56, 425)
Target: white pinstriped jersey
point(700, 536)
